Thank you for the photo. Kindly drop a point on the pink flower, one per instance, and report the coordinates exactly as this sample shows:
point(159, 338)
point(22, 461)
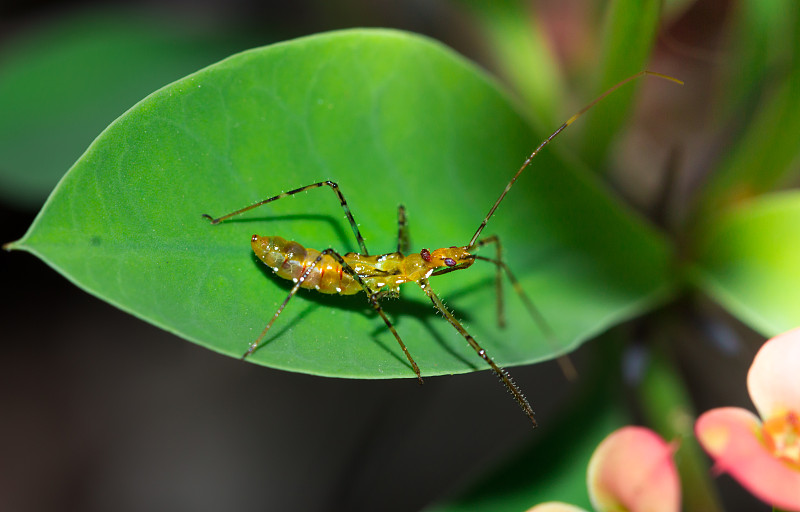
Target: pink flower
point(632, 470)
point(555, 506)
point(763, 457)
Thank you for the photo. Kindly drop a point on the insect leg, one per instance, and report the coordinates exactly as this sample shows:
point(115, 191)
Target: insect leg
point(567, 368)
point(254, 345)
point(402, 230)
point(374, 300)
point(505, 377)
point(501, 317)
point(334, 186)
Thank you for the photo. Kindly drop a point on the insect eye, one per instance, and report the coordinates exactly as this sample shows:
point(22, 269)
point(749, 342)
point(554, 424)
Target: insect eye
point(450, 262)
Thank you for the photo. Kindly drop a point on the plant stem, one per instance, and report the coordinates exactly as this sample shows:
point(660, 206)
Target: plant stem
point(665, 405)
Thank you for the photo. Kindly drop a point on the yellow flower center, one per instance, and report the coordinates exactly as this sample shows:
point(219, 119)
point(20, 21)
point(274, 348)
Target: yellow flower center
point(782, 437)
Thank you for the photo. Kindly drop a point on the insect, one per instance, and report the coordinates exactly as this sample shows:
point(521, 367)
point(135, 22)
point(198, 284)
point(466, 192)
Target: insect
point(380, 276)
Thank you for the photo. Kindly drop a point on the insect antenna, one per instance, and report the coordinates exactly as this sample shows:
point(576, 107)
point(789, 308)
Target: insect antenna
point(553, 135)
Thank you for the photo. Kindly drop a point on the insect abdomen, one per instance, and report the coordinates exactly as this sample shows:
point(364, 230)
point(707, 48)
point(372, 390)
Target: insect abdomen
point(290, 260)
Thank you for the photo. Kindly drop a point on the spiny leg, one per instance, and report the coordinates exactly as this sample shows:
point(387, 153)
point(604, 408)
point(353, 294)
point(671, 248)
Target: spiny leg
point(505, 377)
point(372, 297)
point(567, 368)
point(402, 230)
point(334, 186)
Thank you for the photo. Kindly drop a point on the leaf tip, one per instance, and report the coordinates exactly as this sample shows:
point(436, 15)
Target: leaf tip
point(10, 246)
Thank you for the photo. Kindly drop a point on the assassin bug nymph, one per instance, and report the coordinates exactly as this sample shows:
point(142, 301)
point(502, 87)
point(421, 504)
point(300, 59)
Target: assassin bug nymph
point(380, 276)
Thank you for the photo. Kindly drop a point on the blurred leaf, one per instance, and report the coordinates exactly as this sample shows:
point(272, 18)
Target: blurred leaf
point(63, 83)
point(631, 28)
point(393, 118)
point(768, 153)
point(521, 51)
point(673, 9)
point(759, 32)
point(748, 261)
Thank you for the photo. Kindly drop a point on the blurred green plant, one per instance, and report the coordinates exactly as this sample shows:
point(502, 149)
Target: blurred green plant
point(64, 81)
point(395, 118)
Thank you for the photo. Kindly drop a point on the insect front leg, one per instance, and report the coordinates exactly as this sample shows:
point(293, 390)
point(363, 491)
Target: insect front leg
point(567, 368)
point(498, 280)
point(505, 377)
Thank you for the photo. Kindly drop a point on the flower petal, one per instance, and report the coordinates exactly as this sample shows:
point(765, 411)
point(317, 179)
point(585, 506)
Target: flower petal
point(632, 469)
point(731, 436)
point(555, 506)
point(772, 380)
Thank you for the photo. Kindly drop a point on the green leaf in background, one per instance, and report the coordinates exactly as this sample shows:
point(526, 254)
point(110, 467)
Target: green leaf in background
point(767, 154)
point(394, 118)
point(758, 34)
point(748, 262)
point(631, 28)
point(63, 83)
point(519, 47)
point(673, 9)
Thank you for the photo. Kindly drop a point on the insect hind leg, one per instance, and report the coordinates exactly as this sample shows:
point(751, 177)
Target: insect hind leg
point(372, 296)
point(498, 281)
point(332, 184)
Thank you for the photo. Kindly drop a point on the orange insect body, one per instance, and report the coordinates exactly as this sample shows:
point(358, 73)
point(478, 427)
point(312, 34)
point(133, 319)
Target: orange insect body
point(290, 260)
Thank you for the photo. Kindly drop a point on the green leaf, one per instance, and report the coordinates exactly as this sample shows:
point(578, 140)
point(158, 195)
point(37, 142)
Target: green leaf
point(748, 262)
point(62, 83)
point(519, 47)
point(630, 31)
point(767, 153)
point(758, 33)
point(394, 118)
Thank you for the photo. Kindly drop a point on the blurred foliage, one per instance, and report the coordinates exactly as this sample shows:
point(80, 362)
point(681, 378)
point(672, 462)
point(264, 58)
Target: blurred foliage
point(762, 101)
point(629, 31)
point(520, 49)
point(735, 238)
point(63, 82)
point(748, 261)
